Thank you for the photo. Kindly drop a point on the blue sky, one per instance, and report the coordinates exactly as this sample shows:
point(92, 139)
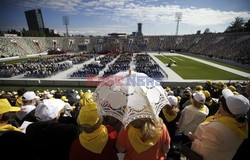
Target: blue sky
point(100, 17)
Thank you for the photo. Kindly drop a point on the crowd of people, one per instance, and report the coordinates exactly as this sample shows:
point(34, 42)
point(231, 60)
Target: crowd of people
point(144, 64)
point(42, 67)
point(93, 68)
point(121, 64)
point(227, 46)
point(211, 119)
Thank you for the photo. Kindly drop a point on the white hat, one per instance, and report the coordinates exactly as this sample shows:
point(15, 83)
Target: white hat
point(49, 109)
point(173, 100)
point(237, 104)
point(170, 93)
point(199, 97)
point(29, 95)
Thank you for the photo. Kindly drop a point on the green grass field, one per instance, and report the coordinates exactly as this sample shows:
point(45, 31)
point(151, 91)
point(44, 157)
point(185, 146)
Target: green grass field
point(224, 64)
point(191, 69)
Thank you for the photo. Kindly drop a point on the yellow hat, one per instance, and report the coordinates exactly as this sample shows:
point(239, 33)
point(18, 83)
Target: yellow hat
point(168, 89)
point(220, 85)
point(179, 98)
point(199, 88)
point(6, 107)
point(235, 93)
point(88, 114)
point(206, 93)
point(209, 82)
point(64, 98)
point(232, 88)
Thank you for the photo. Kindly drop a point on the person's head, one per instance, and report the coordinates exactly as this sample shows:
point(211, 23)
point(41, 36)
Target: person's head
point(21, 91)
point(207, 95)
point(29, 98)
point(199, 99)
point(220, 85)
point(150, 127)
point(173, 101)
point(49, 110)
point(6, 108)
point(199, 88)
point(89, 119)
point(187, 92)
point(208, 83)
point(232, 88)
point(235, 105)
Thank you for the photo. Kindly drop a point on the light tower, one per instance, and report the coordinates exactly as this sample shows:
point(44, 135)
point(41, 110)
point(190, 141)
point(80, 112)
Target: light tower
point(178, 17)
point(66, 23)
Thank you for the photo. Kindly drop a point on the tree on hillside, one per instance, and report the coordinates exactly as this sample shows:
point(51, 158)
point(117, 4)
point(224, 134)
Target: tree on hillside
point(236, 26)
point(206, 31)
point(247, 26)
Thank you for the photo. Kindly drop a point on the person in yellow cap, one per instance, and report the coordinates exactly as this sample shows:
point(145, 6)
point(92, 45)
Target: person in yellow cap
point(19, 101)
point(212, 105)
point(199, 88)
point(168, 89)
point(5, 108)
point(218, 89)
point(86, 97)
point(96, 141)
point(13, 142)
point(232, 88)
point(209, 87)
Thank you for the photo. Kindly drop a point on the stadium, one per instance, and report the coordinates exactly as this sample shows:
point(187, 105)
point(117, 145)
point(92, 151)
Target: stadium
point(105, 91)
point(197, 58)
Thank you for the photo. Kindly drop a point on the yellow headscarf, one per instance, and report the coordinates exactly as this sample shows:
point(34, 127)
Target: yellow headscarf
point(169, 117)
point(95, 141)
point(240, 129)
point(8, 127)
point(135, 138)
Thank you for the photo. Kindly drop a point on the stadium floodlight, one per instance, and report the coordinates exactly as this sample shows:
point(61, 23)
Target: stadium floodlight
point(178, 17)
point(66, 23)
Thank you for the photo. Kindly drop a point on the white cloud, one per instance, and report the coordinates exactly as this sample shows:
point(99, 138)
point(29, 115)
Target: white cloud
point(132, 11)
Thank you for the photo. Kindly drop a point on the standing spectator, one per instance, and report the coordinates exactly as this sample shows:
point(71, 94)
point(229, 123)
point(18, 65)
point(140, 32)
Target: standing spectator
point(144, 138)
point(219, 136)
point(96, 141)
point(192, 115)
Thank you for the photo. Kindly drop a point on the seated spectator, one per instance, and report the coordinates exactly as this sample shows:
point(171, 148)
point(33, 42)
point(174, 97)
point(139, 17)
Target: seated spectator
point(27, 112)
point(212, 105)
point(51, 140)
point(5, 110)
point(219, 136)
point(192, 116)
point(96, 140)
point(170, 116)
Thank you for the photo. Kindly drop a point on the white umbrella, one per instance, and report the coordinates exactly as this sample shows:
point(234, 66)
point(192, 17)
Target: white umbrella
point(128, 96)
